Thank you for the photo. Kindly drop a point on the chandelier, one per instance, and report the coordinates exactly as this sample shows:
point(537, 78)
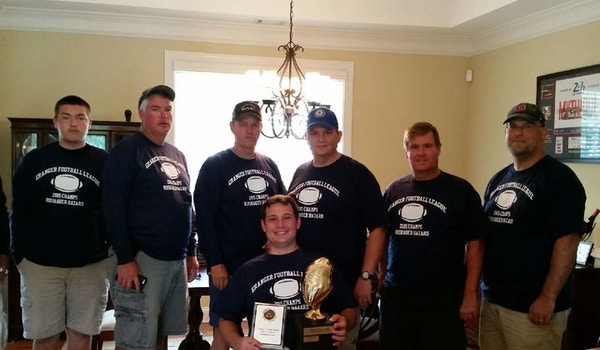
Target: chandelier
point(285, 113)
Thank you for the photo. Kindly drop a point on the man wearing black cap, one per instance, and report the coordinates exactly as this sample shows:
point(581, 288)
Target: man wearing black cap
point(340, 200)
point(231, 188)
point(535, 208)
point(147, 206)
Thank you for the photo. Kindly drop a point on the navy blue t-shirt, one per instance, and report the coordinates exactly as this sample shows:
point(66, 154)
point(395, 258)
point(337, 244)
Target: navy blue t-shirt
point(528, 211)
point(56, 213)
point(229, 193)
point(431, 221)
point(146, 200)
point(277, 279)
point(338, 203)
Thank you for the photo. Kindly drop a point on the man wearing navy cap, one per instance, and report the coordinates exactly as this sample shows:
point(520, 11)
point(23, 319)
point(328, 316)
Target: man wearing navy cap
point(147, 207)
point(535, 208)
point(340, 200)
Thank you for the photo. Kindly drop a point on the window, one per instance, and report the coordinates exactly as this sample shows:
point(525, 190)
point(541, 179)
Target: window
point(208, 87)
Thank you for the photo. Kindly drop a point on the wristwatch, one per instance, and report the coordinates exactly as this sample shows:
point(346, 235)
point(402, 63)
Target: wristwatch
point(365, 275)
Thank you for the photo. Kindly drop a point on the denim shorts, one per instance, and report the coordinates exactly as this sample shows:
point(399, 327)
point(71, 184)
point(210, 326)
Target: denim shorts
point(160, 309)
point(56, 298)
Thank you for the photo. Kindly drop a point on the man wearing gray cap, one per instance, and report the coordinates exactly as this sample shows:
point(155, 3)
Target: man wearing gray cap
point(535, 208)
point(147, 207)
point(232, 185)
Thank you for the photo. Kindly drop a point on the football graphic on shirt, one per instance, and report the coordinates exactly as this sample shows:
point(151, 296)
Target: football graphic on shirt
point(506, 199)
point(285, 288)
point(66, 183)
point(309, 196)
point(256, 184)
point(412, 212)
point(170, 170)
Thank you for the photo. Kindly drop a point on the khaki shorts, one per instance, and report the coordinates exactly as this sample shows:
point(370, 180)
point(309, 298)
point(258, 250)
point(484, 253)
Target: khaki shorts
point(56, 298)
point(504, 329)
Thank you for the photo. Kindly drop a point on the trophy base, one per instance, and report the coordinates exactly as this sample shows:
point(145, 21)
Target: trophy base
point(312, 335)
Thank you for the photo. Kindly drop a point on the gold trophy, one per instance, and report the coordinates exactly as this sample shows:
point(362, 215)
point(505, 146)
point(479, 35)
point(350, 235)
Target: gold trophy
point(316, 286)
point(314, 328)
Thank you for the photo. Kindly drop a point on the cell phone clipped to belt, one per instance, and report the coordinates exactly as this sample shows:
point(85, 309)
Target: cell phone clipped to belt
point(141, 279)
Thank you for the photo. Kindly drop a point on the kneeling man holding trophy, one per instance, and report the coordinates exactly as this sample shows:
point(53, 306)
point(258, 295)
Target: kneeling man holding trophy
point(281, 292)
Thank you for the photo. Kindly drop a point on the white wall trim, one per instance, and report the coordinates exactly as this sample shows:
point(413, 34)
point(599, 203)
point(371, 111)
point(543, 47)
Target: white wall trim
point(459, 41)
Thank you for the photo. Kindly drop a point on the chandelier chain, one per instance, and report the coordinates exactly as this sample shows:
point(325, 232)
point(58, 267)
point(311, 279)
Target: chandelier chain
point(286, 111)
point(291, 20)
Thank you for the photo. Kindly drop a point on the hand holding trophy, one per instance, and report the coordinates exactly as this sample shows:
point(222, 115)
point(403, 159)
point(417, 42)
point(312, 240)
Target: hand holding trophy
point(314, 327)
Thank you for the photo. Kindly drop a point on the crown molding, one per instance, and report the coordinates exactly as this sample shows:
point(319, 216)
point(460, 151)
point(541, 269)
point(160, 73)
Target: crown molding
point(460, 41)
point(569, 15)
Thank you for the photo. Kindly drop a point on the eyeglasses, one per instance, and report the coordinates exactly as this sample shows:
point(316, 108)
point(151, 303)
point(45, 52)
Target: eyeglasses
point(525, 127)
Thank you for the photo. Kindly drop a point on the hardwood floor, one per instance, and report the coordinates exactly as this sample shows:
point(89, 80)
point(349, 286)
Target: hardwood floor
point(18, 345)
point(174, 341)
point(26, 344)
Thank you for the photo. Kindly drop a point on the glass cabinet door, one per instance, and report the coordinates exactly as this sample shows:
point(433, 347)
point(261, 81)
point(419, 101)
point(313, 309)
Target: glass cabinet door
point(99, 140)
point(23, 143)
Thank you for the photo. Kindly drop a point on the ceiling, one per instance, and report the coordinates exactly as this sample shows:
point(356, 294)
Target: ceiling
point(449, 27)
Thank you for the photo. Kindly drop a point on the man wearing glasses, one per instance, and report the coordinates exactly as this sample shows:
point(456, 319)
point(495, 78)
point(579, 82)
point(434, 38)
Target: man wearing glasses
point(535, 208)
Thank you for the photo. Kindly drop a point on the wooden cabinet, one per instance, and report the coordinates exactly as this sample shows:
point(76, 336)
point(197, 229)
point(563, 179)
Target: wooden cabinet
point(583, 328)
point(30, 133)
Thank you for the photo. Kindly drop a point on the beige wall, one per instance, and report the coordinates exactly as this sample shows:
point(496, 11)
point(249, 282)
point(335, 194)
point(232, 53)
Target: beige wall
point(505, 77)
point(391, 91)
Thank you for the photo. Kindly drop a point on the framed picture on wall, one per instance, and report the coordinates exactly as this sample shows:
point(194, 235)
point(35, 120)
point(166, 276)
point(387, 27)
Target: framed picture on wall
point(570, 101)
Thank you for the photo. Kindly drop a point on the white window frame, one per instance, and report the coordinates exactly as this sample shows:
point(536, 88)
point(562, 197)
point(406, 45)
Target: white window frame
point(206, 62)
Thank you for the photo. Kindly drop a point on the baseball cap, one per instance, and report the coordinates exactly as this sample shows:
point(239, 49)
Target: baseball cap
point(161, 90)
point(246, 108)
point(322, 116)
point(527, 111)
